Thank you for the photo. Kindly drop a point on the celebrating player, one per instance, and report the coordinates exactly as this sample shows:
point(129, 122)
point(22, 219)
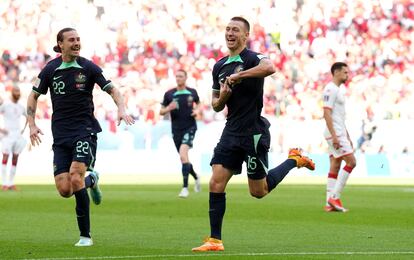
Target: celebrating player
point(339, 142)
point(71, 79)
point(238, 84)
point(181, 102)
point(13, 142)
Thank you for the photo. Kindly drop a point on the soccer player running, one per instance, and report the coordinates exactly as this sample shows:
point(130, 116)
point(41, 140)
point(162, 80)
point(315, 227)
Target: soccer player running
point(13, 142)
point(337, 137)
point(182, 104)
point(238, 84)
point(71, 80)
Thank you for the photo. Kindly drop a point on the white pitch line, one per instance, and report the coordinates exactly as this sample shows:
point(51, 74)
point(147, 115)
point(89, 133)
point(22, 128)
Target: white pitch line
point(225, 255)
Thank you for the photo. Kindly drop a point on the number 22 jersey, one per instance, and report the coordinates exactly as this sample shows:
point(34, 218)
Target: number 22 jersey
point(71, 85)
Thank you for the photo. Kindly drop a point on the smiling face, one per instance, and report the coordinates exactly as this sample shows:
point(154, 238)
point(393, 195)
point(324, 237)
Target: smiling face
point(70, 45)
point(236, 35)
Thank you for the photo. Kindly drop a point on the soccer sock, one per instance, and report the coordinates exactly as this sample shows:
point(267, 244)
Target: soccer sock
point(276, 175)
point(89, 181)
point(341, 181)
point(185, 169)
point(4, 174)
point(192, 172)
point(82, 212)
point(330, 185)
point(217, 204)
point(12, 174)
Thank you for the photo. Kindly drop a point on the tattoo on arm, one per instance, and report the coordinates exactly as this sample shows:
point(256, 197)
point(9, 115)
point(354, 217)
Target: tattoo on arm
point(31, 104)
point(31, 112)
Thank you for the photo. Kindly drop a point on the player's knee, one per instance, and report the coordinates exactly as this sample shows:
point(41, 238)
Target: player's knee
point(216, 185)
point(5, 159)
point(15, 158)
point(65, 192)
point(183, 159)
point(258, 194)
point(76, 181)
point(351, 164)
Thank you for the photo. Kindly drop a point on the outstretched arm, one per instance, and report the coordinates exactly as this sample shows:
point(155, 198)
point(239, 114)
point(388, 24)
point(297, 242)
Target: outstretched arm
point(31, 113)
point(263, 69)
point(119, 101)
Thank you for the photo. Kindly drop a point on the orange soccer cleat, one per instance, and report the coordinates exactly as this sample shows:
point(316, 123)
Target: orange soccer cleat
point(329, 208)
point(301, 160)
point(337, 204)
point(210, 244)
point(13, 188)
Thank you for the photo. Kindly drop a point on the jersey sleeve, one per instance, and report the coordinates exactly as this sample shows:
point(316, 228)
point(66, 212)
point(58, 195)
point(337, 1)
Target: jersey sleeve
point(329, 97)
point(257, 57)
point(196, 97)
point(100, 79)
point(216, 85)
point(41, 83)
point(166, 100)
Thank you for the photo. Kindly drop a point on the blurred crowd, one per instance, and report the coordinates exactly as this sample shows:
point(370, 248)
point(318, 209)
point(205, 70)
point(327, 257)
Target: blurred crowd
point(140, 44)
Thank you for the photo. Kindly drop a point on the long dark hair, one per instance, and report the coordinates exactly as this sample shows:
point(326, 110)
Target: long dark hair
point(59, 38)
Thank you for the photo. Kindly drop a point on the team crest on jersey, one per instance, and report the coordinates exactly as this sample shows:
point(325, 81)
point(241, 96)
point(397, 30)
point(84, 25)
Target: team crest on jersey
point(80, 80)
point(238, 68)
point(190, 100)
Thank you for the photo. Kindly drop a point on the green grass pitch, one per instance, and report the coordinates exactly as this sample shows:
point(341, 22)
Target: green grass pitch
point(150, 221)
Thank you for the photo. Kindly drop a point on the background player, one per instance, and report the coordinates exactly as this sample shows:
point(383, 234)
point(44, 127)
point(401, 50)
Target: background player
point(238, 84)
point(336, 134)
point(71, 80)
point(13, 143)
point(182, 104)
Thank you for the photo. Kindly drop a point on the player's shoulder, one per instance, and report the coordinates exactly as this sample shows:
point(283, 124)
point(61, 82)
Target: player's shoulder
point(6, 103)
point(171, 91)
point(53, 64)
point(84, 62)
point(249, 54)
point(331, 87)
point(191, 89)
point(221, 61)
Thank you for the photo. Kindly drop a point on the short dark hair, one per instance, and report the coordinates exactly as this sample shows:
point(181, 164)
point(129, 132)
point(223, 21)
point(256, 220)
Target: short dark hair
point(243, 20)
point(59, 38)
point(337, 66)
point(183, 71)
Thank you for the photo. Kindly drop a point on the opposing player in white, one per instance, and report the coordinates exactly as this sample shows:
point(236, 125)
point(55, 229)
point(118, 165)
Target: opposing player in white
point(336, 134)
point(13, 141)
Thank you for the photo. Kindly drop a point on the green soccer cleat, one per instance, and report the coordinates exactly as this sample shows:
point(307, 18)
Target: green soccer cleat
point(94, 191)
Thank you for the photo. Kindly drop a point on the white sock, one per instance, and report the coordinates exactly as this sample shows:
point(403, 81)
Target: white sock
point(4, 175)
point(330, 186)
point(340, 183)
point(12, 174)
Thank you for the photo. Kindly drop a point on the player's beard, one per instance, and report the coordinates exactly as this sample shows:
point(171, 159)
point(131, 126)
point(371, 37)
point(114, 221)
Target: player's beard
point(15, 97)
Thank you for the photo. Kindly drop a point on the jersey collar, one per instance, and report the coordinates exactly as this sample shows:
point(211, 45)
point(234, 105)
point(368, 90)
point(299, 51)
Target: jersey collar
point(72, 64)
point(236, 58)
